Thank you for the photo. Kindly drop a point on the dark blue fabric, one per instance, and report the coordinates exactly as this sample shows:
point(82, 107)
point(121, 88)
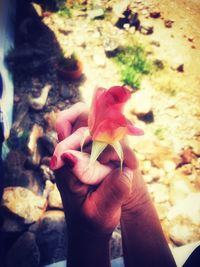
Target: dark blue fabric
point(1, 86)
point(194, 259)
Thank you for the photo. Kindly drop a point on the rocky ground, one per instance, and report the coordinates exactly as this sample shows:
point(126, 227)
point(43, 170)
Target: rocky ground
point(166, 106)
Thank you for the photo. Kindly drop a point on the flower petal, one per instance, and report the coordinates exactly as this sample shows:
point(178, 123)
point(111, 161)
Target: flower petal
point(132, 130)
point(119, 93)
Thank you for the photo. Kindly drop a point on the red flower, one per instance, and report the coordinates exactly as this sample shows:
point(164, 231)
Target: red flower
point(106, 122)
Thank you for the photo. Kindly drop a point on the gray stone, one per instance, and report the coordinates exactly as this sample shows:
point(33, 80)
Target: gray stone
point(51, 237)
point(13, 225)
point(116, 245)
point(65, 91)
point(24, 252)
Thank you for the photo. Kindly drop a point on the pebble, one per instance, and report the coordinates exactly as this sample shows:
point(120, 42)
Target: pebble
point(160, 192)
point(36, 132)
point(177, 64)
point(54, 198)
point(37, 8)
point(147, 178)
point(39, 102)
point(116, 245)
point(188, 208)
point(187, 156)
point(47, 173)
point(96, 13)
point(168, 23)
point(183, 233)
point(156, 173)
point(146, 166)
point(169, 166)
point(24, 203)
point(190, 39)
point(24, 252)
point(51, 237)
point(180, 188)
point(155, 14)
point(162, 209)
point(180, 68)
point(155, 43)
point(141, 103)
point(13, 225)
point(65, 91)
point(99, 58)
point(195, 144)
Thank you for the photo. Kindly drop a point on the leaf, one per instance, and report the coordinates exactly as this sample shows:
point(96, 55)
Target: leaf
point(97, 149)
point(118, 149)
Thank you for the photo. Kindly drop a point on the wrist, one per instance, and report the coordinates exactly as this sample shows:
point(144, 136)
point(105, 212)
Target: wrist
point(86, 247)
point(139, 197)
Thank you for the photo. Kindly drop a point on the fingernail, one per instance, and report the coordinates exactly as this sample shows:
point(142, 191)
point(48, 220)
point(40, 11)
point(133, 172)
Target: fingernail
point(61, 136)
point(53, 162)
point(69, 159)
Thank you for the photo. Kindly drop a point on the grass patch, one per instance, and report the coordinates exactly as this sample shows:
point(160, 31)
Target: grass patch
point(65, 12)
point(133, 64)
point(160, 133)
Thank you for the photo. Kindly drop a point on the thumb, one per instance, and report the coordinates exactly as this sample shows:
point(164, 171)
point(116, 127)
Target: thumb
point(113, 191)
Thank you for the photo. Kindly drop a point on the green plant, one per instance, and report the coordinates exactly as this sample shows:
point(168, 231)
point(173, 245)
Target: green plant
point(160, 133)
point(133, 64)
point(65, 12)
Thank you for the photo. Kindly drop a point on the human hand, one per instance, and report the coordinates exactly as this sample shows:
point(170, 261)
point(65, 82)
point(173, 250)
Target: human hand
point(92, 195)
point(94, 198)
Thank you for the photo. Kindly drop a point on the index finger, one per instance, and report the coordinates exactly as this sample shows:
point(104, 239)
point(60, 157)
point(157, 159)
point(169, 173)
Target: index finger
point(67, 120)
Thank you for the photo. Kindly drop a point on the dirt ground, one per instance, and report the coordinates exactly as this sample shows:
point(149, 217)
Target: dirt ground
point(182, 41)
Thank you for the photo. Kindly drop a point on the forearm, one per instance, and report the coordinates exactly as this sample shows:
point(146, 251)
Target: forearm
point(86, 249)
point(143, 240)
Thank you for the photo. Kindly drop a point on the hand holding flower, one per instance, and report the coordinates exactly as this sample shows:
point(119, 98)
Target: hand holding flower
point(93, 211)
